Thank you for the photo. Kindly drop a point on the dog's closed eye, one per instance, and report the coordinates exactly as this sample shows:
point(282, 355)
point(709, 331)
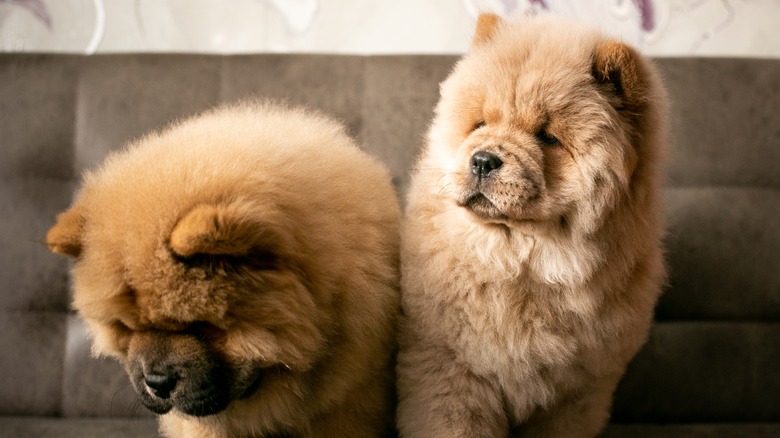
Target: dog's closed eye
point(547, 139)
point(255, 260)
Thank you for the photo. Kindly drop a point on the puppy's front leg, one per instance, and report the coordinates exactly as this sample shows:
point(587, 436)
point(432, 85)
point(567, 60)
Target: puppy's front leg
point(439, 397)
point(582, 414)
point(366, 412)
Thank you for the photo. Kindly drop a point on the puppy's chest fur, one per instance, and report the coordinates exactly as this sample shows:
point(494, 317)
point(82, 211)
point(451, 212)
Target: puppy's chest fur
point(519, 333)
point(506, 326)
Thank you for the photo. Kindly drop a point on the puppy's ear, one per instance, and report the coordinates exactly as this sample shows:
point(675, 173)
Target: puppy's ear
point(235, 228)
point(618, 69)
point(486, 28)
point(65, 236)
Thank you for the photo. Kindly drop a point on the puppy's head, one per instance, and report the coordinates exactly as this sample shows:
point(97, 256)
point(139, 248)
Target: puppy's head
point(204, 307)
point(543, 123)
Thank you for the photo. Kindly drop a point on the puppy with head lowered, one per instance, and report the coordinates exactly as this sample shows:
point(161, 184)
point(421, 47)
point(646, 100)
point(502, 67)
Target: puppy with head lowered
point(531, 258)
point(243, 265)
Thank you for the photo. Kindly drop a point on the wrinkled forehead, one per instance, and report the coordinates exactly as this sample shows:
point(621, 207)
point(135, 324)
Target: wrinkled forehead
point(540, 69)
point(492, 86)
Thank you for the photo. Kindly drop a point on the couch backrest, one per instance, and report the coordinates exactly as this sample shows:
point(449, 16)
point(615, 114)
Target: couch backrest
point(714, 353)
point(713, 356)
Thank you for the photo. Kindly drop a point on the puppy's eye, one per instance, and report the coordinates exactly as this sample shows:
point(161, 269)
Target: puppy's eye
point(120, 327)
point(119, 336)
point(546, 138)
point(479, 124)
point(204, 330)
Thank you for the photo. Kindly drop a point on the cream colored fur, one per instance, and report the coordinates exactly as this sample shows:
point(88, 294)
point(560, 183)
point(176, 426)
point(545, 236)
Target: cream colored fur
point(308, 291)
point(519, 317)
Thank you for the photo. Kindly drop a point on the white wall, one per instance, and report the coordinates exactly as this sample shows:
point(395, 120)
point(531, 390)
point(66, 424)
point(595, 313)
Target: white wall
point(659, 27)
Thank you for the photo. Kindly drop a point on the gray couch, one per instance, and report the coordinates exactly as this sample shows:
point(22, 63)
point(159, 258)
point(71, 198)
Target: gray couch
point(711, 366)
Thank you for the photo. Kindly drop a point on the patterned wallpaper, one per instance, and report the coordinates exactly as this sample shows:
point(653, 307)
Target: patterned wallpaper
point(659, 27)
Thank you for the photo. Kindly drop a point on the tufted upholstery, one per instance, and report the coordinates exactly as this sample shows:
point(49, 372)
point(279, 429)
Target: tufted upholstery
point(710, 368)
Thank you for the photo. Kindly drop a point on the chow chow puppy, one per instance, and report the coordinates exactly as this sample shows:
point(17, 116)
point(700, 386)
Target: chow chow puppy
point(243, 265)
point(530, 257)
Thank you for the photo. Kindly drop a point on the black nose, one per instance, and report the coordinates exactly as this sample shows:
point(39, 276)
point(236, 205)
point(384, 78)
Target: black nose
point(162, 384)
point(482, 163)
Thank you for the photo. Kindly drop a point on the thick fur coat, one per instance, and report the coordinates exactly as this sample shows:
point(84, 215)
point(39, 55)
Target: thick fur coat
point(531, 247)
point(243, 265)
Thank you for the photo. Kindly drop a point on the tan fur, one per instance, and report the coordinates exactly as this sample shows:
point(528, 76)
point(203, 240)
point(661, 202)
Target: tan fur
point(64, 238)
point(529, 284)
point(251, 245)
point(486, 26)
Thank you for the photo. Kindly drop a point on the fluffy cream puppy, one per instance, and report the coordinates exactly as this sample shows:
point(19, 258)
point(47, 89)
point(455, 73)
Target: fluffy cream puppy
point(243, 266)
point(531, 254)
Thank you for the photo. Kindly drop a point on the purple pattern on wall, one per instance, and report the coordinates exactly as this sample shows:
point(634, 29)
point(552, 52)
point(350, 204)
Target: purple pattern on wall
point(646, 10)
point(36, 7)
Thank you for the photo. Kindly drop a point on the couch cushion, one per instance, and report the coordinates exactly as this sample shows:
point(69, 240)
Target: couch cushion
point(38, 97)
point(715, 430)
point(31, 351)
point(400, 94)
point(332, 84)
point(724, 129)
point(121, 98)
point(703, 372)
point(722, 254)
point(26, 427)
